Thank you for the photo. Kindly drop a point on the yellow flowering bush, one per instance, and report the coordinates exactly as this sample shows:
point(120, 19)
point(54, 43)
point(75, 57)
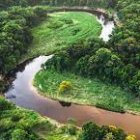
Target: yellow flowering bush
point(64, 86)
point(112, 127)
point(131, 137)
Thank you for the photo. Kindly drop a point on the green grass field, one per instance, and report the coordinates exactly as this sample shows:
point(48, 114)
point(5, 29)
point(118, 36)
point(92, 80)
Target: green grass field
point(61, 29)
point(86, 91)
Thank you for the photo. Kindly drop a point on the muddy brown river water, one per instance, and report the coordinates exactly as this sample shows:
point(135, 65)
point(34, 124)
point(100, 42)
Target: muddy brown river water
point(22, 93)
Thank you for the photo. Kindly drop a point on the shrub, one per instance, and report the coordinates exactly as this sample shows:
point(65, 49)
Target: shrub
point(19, 134)
point(116, 132)
point(64, 87)
point(60, 62)
point(109, 136)
point(69, 129)
point(16, 117)
point(82, 65)
point(71, 121)
point(5, 105)
point(91, 131)
point(131, 137)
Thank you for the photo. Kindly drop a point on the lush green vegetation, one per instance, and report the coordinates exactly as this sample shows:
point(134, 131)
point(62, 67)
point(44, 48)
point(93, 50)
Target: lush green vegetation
point(21, 124)
point(89, 3)
point(4, 4)
point(85, 91)
point(61, 30)
point(92, 131)
point(116, 62)
point(93, 61)
point(15, 35)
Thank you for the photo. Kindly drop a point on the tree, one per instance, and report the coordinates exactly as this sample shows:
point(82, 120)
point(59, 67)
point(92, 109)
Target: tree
point(91, 131)
point(19, 134)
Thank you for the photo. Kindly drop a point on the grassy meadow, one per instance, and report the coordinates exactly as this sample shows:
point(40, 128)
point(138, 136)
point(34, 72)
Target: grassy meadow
point(86, 91)
point(62, 29)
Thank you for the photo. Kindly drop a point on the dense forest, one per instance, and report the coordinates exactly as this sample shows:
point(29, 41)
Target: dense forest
point(91, 3)
point(15, 36)
point(116, 61)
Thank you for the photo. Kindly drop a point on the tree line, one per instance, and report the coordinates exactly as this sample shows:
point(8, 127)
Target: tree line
point(91, 3)
point(15, 34)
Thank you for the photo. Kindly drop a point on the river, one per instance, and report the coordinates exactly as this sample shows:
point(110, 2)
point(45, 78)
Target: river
point(22, 93)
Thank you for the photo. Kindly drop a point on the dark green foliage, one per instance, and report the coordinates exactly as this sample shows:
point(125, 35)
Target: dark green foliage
point(97, 60)
point(15, 123)
point(103, 63)
point(15, 35)
point(4, 105)
point(90, 3)
point(24, 3)
point(65, 60)
point(19, 134)
point(7, 3)
point(125, 38)
point(60, 62)
point(88, 47)
point(91, 131)
point(82, 65)
point(69, 129)
point(111, 106)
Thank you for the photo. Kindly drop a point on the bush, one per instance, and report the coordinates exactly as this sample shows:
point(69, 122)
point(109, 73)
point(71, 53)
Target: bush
point(82, 65)
point(64, 87)
point(69, 129)
point(16, 117)
point(5, 105)
point(60, 62)
point(109, 136)
point(91, 131)
point(131, 137)
point(19, 134)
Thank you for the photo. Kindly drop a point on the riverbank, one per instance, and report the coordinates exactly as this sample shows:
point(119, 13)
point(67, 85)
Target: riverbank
point(26, 124)
point(86, 91)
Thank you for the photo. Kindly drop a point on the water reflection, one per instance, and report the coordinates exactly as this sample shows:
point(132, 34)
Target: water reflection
point(65, 104)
